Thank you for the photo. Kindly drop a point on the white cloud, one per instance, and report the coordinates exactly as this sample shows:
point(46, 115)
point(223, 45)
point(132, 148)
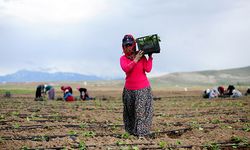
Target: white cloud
point(85, 36)
point(52, 11)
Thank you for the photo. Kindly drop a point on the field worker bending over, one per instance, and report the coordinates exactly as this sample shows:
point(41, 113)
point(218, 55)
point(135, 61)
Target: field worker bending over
point(63, 88)
point(84, 95)
point(214, 93)
point(247, 92)
point(67, 93)
point(137, 96)
point(50, 90)
point(68, 96)
point(211, 93)
point(40, 91)
point(229, 90)
point(236, 94)
point(206, 93)
point(221, 90)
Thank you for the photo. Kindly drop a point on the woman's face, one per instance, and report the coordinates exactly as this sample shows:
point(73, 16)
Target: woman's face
point(128, 45)
point(128, 49)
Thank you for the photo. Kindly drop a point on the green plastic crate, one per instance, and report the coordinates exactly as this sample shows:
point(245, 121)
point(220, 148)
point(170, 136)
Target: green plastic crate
point(149, 44)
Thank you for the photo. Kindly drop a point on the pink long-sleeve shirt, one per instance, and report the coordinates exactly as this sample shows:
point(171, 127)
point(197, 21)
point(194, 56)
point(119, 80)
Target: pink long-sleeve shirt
point(136, 72)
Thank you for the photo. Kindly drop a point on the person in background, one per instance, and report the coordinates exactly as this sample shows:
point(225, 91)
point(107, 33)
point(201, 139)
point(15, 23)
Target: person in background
point(68, 96)
point(40, 91)
point(67, 93)
point(247, 92)
point(221, 91)
point(64, 88)
point(214, 93)
point(84, 95)
point(236, 94)
point(137, 95)
point(229, 90)
point(50, 90)
point(206, 93)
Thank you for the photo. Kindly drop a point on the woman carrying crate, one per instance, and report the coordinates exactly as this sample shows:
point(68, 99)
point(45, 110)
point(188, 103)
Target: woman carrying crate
point(137, 96)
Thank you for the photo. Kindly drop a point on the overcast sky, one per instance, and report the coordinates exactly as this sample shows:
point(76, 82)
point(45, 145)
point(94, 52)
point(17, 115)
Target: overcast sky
point(84, 36)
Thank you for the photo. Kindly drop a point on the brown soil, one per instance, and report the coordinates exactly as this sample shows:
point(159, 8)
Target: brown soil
point(182, 120)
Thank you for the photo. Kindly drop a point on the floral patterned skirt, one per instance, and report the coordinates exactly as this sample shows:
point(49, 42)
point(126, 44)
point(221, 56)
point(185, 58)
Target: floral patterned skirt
point(138, 111)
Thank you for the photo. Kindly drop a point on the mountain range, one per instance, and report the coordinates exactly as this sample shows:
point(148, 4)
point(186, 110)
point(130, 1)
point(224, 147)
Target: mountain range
point(240, 76)
point(37, 76)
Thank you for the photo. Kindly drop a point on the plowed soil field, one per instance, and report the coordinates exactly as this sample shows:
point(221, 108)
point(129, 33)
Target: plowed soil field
point(182, 120)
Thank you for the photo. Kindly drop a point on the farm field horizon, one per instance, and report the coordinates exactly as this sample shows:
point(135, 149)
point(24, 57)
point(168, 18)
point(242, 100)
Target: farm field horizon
point(182, 120)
